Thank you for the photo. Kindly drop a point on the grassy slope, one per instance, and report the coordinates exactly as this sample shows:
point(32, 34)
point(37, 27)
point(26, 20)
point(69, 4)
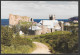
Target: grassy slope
point(27, 49)
point(53, 33)
point(24, 49)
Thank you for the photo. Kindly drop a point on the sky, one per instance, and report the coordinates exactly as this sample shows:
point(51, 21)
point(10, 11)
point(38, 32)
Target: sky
point(40, 9)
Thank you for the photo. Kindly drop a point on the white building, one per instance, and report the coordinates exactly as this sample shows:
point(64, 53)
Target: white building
point(75, 21)
point(35, 28)
point(21, 33)
point(67, 23)
point(47, 26)
point(50, 24)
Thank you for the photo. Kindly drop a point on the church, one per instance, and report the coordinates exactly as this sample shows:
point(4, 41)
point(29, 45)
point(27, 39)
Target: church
point(47, 26)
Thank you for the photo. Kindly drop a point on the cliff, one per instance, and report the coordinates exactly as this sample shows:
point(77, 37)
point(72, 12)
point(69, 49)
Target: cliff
point(14, 19)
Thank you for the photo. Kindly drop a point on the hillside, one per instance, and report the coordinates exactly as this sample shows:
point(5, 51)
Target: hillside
point(73, 18)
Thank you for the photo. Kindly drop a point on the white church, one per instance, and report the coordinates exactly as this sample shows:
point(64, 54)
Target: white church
point(47, 26)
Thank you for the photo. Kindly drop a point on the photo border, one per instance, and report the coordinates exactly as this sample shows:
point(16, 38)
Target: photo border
point(49, 54)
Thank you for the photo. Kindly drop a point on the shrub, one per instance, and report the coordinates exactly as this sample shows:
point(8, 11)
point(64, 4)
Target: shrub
point(23, 49)
point(21, 41)
point(14, 45)
point(6, 35)
point(60, 41)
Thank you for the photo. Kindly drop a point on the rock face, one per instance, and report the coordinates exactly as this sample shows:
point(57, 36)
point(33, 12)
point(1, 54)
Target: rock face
point(14, 19)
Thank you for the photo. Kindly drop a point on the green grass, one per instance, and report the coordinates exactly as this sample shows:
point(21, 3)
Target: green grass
point(26, 23)
point(53, 33)
point(74, 24)
point(59, 32)
point(50, 39)
point(24, 49)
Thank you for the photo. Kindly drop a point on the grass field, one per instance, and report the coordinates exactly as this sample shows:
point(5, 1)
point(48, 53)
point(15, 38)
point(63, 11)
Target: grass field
point(24, 49)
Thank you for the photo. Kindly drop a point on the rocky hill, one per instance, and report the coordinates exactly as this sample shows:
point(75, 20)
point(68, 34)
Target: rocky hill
point(14, 19)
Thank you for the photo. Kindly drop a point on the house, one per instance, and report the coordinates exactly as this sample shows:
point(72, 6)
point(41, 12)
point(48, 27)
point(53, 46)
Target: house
point(47, 26)
point(50, 25)
point(21, 33)
point(75, 21)
point(35, 30)
point(67, 23)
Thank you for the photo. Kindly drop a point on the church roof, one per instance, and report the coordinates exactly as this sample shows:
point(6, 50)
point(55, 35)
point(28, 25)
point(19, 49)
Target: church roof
point(49, 23)
point(35, 28)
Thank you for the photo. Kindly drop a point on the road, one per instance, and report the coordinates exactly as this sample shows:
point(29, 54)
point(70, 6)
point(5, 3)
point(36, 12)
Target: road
point(41, 48)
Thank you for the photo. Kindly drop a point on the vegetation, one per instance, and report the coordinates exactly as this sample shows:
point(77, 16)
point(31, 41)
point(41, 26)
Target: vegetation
point(25, 49)
point(60, 41)
point(9, 44)
point(23, 26)
point(6, 35)
point(73, 24)
point(26, 23)
point(71, 28)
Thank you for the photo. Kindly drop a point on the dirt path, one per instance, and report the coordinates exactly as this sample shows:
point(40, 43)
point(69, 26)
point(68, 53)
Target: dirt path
point(41, 49)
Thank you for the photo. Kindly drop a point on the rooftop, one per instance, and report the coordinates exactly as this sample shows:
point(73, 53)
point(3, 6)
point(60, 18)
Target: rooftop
point(35, 28)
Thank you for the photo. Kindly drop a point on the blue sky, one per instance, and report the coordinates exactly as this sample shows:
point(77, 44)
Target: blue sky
point(39, 9)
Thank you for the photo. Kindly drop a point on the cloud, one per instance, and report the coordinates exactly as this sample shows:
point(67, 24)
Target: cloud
point(39, 9)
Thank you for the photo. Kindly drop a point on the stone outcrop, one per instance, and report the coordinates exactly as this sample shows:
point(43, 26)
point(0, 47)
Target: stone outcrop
point(14, 19)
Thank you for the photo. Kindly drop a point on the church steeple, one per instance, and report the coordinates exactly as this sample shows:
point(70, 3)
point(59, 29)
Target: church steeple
point(51, 17)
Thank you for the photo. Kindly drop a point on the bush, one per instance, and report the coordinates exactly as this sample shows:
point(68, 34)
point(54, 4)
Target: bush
point(6, 35)
point(60, 41)
point(25, 26)
point(21, 41)
point(24, 49)
point(14, 45)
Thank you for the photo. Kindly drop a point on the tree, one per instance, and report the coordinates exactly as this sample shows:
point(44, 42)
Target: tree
point(6, 35)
